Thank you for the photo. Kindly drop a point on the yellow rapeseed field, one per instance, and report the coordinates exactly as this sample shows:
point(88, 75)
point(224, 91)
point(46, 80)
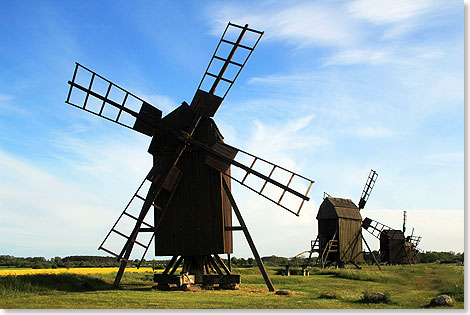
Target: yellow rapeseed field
point(5, 272)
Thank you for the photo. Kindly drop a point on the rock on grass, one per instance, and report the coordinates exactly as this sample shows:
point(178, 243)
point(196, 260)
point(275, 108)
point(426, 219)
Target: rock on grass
point(442, 300)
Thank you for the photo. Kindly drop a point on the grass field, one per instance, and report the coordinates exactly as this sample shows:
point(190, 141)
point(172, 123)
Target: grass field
point(407, 286)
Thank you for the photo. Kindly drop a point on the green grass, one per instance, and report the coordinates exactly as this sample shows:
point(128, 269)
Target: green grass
point(405, 286)
point(12, 268)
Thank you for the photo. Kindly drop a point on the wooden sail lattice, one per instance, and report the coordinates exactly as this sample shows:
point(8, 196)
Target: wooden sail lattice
point(95, 94)
point(367, 189)
point(222, 61)
point(373, 227)
point(267, 181)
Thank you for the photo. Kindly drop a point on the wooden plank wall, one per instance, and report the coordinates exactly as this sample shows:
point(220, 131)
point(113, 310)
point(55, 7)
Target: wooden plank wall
point(194, 222)
point(350, 241)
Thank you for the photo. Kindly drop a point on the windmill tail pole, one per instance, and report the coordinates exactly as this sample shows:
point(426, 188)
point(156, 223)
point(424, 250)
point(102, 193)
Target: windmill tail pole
point(248, 237)
point(370, 251)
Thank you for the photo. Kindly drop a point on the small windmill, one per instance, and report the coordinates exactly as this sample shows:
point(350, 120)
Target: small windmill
point(395, 247)
point(339, 239)
point(189, 185)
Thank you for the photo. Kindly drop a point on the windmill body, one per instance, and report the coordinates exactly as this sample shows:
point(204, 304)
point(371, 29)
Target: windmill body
point(195, 221)
point(339, 239)
point(393, 247)
point(339, 232)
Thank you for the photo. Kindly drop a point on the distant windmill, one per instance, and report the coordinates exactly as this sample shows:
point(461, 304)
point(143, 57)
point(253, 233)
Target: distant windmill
point(339, 239)
point(395, 248)
point(189, 186)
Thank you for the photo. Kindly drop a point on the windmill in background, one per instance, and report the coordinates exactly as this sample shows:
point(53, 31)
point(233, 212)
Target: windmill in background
point(395, 247)
point(339, 239)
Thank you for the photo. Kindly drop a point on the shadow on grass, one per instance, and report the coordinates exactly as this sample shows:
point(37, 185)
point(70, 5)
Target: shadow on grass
point(50, 282)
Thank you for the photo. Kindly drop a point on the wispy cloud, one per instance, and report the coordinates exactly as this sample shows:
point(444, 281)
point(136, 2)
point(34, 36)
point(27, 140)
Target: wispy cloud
point(5, 97)
point(282, 79)
point(67, 213)
point(360, 56)
point(163, 102)
point(388, 11)
point(277, 139)
point(301, 24)
point(374, 132)
point(446, 158)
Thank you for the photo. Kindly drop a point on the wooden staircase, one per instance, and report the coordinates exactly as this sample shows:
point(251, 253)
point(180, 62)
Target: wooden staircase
point(331, 247)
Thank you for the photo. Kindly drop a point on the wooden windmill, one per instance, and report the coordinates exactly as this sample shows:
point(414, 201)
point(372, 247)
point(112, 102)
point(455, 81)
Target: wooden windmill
point(395, 247)
point(189, 185)
point(339, 239)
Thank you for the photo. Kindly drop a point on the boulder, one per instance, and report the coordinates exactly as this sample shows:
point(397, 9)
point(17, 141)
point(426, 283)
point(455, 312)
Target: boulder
point(442, 300)
point(283, 292)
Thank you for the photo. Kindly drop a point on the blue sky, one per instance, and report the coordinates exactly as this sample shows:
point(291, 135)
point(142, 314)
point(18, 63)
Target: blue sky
point(332, 90)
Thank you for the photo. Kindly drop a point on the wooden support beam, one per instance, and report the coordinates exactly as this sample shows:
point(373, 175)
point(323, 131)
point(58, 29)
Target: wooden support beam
point(373, 256)
point(222, 264)
point(178, 262)
point(213, 263)
point(233, 228)
point(122, 267)
point(248, 236)
point(221, 279)
point(170, 264)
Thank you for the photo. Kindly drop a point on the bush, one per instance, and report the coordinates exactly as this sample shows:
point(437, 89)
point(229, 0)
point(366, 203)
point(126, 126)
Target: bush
point(328, 296)
point(375, 297)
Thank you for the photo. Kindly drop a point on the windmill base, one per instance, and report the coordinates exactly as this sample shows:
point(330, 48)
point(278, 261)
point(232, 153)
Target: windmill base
point(227, 282)
point(197, 270)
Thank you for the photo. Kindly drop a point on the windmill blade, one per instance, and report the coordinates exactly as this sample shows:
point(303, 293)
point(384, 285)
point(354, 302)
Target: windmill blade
point(367, 189)
point(222, 155)
point(374, 227)
point(95, 94)
point(224, 66)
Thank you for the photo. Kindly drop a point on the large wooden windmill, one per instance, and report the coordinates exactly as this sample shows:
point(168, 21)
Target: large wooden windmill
point(189, 185)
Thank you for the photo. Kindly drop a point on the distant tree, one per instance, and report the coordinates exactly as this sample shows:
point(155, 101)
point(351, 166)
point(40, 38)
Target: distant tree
point(234, 261)
point(38, 265)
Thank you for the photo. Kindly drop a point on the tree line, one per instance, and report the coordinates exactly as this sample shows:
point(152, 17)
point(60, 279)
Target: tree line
point(104, 261)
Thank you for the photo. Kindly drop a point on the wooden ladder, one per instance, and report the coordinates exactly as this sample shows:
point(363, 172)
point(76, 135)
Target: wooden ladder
point(314, 247)
point(331, 247)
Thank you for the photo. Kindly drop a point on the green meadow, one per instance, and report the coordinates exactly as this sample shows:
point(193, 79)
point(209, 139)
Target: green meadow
point(408, 287)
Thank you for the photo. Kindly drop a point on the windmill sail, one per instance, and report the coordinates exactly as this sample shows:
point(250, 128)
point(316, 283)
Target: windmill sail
point(367, 189)
point(95, 94)
point(222, 155)
point(224, 67)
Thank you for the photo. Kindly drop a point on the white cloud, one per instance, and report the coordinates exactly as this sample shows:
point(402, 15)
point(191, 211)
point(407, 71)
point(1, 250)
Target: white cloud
point(278, 139)
point(163, 102)
point(388, 11)
point(5, 97)
point(52, 214)
point(374, 132)
point(281, 79)
point(43, 210)
point(365, 56)
point(446, 158)
point(301, 24)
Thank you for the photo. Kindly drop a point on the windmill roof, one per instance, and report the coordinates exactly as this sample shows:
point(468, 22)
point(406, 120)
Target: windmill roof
point(334, 208)
point(394, 234)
